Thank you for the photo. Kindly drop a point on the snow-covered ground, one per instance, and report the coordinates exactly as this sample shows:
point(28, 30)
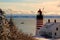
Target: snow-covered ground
point(46, 39)
point(41, 38)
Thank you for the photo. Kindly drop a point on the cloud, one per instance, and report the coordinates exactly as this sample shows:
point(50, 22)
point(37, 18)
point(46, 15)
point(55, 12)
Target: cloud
point(31, 1)
point(49, 7)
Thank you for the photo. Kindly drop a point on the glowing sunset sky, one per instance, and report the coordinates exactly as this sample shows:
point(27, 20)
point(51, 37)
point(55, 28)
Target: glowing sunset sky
point(50, 6)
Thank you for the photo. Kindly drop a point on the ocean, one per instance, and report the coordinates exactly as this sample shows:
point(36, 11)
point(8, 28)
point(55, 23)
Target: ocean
point(27, 22)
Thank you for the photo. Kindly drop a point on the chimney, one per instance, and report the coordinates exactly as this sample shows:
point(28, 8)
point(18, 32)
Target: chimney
point(55, 21)
point(48, 20)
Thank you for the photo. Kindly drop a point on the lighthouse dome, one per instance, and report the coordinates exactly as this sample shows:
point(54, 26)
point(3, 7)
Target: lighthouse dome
point(39, 16)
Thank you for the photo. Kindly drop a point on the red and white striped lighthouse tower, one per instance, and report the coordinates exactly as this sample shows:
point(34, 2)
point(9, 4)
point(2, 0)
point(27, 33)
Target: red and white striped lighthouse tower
point(39, 21)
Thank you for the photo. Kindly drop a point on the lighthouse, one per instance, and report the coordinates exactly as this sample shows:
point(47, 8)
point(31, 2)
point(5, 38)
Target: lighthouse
point(39, 21)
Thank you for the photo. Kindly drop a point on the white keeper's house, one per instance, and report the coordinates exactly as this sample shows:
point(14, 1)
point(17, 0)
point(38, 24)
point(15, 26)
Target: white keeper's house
point(50, 29)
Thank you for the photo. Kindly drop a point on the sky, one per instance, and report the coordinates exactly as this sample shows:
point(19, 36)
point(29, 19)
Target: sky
point(50, 6)
point(31, 1)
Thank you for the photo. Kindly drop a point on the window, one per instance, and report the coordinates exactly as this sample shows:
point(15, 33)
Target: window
point(38, 28)
point(57, 28)
point(0, 22)
point(1, 28)
point(55, 34)
point(0, 18)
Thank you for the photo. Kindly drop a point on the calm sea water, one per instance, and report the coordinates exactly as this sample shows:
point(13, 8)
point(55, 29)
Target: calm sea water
point(27, 23)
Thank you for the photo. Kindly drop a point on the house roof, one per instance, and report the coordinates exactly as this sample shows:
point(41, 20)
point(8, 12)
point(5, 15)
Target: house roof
point(51, 24)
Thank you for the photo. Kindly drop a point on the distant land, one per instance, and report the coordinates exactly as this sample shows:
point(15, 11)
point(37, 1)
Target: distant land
point(51, 16)
point(31, 16)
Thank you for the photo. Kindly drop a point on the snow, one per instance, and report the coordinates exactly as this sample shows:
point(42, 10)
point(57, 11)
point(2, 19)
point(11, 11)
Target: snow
point(45, 39)
point(42, 39)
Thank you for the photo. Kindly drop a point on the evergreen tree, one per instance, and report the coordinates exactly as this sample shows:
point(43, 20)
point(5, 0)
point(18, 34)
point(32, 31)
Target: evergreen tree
point(8, 31)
